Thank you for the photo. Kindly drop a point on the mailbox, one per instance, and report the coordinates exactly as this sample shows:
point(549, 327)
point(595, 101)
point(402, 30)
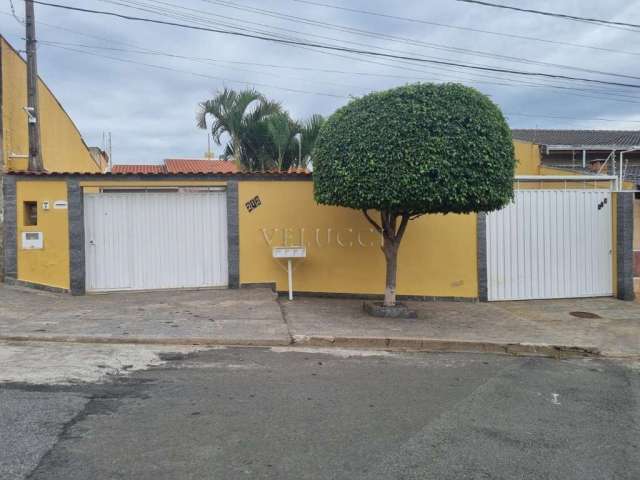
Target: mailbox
point(289, 254)
point(32, 240)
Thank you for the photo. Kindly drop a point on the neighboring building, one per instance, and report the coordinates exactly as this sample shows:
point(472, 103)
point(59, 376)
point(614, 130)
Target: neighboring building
point(142, 168)
point(100, 157)
point(185, 165)
point(179, 165)
point(587, 151)
point(62, 146)
point(593, 151)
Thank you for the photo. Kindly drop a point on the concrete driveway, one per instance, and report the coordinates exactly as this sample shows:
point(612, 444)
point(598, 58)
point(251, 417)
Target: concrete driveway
point(258, 317)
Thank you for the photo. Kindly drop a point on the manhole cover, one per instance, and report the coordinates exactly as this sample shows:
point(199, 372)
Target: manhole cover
point(584, 315)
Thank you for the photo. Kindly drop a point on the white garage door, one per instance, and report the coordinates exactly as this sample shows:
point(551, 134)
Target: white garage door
point(550, 244)
point(155, 240)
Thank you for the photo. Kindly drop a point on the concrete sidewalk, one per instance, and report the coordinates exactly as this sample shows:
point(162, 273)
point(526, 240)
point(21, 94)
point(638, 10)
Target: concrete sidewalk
point(212, 317)
point(257, 317)
point(544, 327)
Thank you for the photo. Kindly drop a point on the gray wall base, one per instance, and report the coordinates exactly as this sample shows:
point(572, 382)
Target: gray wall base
point(481, 240)
point(10, 230)
point(366, 296)
point(624, 246)
point(75, 201)
point(233, 234)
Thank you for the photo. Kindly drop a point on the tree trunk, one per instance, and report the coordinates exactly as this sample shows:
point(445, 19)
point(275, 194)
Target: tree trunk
point(391, 255)
point(392, 235)
point(237, 156)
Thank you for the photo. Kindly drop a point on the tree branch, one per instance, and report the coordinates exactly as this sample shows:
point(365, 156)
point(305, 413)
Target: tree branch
point(403, 226)
point(372, 221)
point(392, 224)
point(384, 216)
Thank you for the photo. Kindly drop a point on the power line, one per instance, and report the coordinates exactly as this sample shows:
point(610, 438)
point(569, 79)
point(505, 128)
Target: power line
point(404, 40)
point(507, 114)
point(561, 117)
point(198, 19)
point(501, 82)
point(13, 13)
point(468, 29)
point(610, 95)
point(203, 75)
point(172, 13)
point(337, 48)
point(201, 60)
point(627, 99)
point(552, 14)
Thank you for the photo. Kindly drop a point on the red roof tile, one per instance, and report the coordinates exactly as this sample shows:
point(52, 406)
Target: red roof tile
point(138, 169)
point(185, 165)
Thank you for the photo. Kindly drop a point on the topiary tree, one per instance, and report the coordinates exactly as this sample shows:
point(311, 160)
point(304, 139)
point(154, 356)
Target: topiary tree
point(413, 150)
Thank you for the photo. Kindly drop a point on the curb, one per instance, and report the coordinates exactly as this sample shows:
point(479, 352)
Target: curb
point(443, 345)
point(374, 343)
point(127, 340)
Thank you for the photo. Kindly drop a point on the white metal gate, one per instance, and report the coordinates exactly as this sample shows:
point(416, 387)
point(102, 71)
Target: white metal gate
point(550, 244)
point(155, 240)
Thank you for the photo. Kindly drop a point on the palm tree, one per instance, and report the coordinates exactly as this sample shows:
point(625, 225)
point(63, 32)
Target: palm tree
point(236, 114)
point(281, 131)
point(309, 131)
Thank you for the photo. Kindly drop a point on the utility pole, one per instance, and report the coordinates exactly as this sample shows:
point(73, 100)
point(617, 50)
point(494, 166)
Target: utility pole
point(35, 155)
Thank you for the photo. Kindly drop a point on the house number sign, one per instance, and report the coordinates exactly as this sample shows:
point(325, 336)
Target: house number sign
point(253, 204)
point(602, 204)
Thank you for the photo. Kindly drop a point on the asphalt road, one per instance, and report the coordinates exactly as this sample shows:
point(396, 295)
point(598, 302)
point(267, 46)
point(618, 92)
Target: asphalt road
point(264, 414)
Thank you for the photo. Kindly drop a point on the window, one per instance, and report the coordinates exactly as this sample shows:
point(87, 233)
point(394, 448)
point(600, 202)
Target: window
point(30, 214)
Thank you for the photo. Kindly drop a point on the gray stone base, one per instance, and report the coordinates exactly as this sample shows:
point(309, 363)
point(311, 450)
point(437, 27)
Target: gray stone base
point(370, 296)
point(271, 285)
point(377, 309)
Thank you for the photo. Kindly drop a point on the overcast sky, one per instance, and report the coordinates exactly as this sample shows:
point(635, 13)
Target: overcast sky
point(150, 111)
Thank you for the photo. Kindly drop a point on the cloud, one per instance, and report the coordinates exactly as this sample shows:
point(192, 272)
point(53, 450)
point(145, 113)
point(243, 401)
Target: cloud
point(151, 111)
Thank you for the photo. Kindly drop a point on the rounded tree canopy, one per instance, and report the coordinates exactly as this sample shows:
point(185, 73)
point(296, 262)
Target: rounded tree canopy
point(421, 148)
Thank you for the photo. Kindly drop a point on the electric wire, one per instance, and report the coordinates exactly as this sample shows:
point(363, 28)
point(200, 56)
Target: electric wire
point(463, 28)
point(208, 61)
point(336, 48)
point(552, 14)
point(395, 38)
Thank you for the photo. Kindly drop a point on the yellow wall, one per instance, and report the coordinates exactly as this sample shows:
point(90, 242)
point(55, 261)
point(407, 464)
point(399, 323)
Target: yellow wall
point(49, 266)
point(63, 148)
point(437, 255)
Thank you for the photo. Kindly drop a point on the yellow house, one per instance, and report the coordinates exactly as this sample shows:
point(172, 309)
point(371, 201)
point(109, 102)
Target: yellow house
point(63, 149)
point(563, 236)
point(74, 228)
